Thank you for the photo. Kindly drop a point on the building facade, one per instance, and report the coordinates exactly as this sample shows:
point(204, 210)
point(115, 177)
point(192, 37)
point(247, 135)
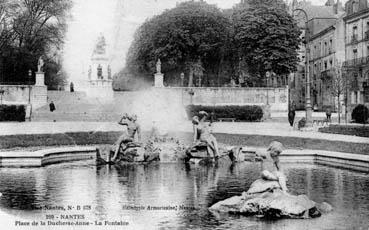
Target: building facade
point(324, 36)
point(356, 65)
point(327, 53)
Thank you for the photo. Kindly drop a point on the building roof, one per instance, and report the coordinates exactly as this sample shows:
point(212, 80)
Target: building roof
point(323, 32)
point(313, 11)
point(319, 11)
point(320, 17)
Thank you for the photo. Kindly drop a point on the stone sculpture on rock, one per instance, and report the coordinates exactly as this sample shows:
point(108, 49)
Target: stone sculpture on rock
point(266, 199)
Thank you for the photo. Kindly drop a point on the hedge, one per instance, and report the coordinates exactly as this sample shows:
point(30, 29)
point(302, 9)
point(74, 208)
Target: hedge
point(355, 130)
point(360, 114)
point(12, 113)
point(240, 113)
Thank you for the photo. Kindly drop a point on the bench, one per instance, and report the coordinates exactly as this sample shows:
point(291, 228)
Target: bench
point(226, 119)
point(320, 122)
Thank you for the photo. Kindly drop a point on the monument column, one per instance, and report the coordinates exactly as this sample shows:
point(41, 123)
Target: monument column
point(159, 77)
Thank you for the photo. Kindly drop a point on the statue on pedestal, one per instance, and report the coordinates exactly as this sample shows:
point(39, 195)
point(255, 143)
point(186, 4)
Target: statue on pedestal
point(158, 66)
point(40, 65)
point(89, 73)
point(109, 72)
point(100, 46)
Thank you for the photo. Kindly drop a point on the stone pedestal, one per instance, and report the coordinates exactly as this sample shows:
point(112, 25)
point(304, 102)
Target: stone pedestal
point(159, 80)
point(28, 112)
point(40, 78)
point(266, 112)
point(101, 90)
point(38, 96)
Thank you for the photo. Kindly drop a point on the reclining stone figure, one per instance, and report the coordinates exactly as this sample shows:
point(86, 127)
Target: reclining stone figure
point(268, 197)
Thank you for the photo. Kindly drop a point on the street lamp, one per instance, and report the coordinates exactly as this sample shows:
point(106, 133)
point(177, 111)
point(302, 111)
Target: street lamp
point(182, 84)
point(1, 95)
point(29, 86)
point(191, 93)
point(307, 71)
point(268, 75)
point(182, 79)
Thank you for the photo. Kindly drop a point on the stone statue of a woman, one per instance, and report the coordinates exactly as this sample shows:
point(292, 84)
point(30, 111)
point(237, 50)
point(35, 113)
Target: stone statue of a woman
point(40, 64)
point(158, 66)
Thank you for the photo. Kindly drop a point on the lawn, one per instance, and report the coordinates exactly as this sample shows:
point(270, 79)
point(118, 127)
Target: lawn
point(36, 141)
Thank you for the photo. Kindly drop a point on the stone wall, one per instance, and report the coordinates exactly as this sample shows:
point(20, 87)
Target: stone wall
point(19, 94)
point(156, 103)
point(277, 98)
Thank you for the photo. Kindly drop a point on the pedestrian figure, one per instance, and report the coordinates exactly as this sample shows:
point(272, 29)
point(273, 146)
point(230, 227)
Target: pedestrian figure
point(52, 106)
point(328, 113)
point(291, 115)
point(71, 87)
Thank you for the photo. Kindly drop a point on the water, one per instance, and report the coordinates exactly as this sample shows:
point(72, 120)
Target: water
point(110, 190)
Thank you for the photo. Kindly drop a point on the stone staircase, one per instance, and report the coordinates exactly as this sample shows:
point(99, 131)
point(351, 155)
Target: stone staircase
point(75, 107)
point(78, 107)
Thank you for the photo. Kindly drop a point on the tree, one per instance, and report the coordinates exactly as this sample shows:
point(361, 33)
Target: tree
point(8, 12)
point(188, 37)
point(266, 35)
point(339, 85)
point(56, 75)
point(33, 28)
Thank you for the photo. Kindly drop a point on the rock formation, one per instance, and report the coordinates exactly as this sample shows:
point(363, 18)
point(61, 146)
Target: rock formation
point(266, 199)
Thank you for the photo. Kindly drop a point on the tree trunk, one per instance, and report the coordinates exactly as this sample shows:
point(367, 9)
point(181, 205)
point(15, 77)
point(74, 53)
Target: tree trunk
point(339, 109)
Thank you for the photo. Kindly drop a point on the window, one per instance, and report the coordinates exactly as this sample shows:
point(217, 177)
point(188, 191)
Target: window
point(99, 72)
point(366, 91)
point(355, 81)
point(354, 33)
point(355, 6)
point(330, 45)
point(331, 63)
point(325, 65)
point(354, 52)
point(366, 32)
point(354, 98)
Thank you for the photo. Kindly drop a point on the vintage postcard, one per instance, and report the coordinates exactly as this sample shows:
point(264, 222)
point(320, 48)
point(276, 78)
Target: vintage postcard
point(185, 114)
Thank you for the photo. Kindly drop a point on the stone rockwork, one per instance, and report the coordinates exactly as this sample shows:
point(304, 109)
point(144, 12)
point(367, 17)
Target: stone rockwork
point(266, 199)
point(164, 149)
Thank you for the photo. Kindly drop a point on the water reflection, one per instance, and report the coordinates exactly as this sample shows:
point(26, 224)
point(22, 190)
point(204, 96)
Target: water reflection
point(114, 192)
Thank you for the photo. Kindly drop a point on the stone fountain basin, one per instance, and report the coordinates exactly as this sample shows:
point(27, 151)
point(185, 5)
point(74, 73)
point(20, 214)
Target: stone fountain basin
point(46, 156)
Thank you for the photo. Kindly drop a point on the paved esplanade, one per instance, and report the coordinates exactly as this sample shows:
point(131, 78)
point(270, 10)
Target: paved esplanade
point(249, 128)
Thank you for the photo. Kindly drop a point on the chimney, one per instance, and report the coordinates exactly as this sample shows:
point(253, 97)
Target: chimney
point(329, 3)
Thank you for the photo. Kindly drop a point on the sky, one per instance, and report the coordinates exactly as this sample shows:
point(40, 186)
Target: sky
point(93, 17)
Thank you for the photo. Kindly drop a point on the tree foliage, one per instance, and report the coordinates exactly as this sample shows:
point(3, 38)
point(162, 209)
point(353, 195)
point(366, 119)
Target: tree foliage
point(182, 37)
point(213, 45)
point(30, 29)
point(266, 35)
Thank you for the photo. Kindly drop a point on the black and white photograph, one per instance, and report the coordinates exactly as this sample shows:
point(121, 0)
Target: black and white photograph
point(184, 114)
